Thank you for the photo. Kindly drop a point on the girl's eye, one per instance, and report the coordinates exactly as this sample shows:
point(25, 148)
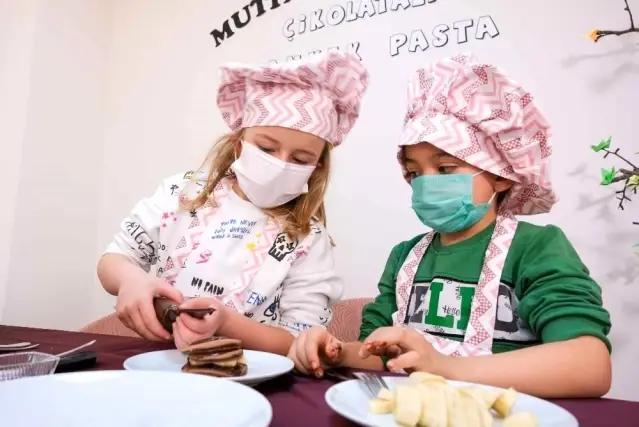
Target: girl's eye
point(265, 149)
point(300, 162)
point(412, 175)
point(446, 169)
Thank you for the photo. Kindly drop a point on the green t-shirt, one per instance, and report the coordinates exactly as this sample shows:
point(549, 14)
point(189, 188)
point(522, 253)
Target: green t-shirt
point(546, 293)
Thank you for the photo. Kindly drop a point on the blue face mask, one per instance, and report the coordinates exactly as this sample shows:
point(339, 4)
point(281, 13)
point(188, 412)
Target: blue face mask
point(445, 202)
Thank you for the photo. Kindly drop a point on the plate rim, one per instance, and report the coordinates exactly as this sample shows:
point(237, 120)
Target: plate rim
point(245, 378)
point(332, 389)
point(139, 373)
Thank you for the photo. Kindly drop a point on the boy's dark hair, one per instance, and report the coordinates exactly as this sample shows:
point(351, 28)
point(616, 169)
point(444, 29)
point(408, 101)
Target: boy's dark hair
point(501, 196)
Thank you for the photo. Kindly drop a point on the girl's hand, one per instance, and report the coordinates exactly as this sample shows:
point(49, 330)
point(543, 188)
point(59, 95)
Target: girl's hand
point(188, 329)
point(314, 350)
point(134, 304)
point(407, 348)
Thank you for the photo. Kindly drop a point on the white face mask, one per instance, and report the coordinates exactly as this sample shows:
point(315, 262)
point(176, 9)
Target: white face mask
point(268, 181)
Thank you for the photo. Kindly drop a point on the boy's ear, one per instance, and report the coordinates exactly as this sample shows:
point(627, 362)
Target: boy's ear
point(502, 184)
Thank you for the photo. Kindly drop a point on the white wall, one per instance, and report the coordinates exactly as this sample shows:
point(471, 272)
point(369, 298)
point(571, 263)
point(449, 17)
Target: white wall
point(155, 88)
point(17, 29)
point(54, 84)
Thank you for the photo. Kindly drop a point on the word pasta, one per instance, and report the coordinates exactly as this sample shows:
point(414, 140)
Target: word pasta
point(440, 35)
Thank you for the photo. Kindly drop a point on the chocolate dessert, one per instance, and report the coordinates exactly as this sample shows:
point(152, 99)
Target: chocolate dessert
point(217, 357)
point(167, 311)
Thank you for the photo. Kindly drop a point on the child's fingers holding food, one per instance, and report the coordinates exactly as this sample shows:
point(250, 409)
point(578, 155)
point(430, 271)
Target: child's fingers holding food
point(332, 350)
point(381, 339)
point(404, 362)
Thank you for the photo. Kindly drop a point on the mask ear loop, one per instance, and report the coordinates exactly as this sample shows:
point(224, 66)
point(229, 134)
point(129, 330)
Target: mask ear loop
point(236, 147)
point(230, 172)
point(492, 198)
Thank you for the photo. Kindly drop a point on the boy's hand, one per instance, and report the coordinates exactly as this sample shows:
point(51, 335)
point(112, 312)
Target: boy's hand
point(407, 348)
point(314, 350)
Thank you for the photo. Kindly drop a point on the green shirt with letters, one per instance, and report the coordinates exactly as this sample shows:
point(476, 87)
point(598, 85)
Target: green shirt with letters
point(546, 293)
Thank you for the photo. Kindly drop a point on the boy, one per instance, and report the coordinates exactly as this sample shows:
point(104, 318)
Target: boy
point(482, 298)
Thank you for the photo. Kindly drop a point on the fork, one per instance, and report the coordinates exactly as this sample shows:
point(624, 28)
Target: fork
point(373, 382)
point(20, 346)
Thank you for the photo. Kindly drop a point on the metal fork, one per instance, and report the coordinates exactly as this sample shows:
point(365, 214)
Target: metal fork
point(372, 382)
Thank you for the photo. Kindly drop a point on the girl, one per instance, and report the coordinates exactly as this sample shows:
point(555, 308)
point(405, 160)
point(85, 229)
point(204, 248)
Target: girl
point(476, 149)
point(246, 235)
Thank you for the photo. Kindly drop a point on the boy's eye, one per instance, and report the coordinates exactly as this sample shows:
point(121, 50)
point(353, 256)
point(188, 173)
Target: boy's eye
point(445, 169)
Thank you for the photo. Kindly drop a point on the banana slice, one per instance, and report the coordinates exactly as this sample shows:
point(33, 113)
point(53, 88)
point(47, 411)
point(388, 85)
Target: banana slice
point(503, 405)
point(477, 408)
point(458, 413)
point(425, 397)
point(422, 377)
point(450, 397)
point(520, 419)
point(488, 397)
point(385, 394)
point(380, 406)
point(407, 406)
point(434, 412)
point(428, 400)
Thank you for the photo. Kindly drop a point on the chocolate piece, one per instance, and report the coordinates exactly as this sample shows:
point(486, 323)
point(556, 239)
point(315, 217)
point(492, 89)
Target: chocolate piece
point(216, 357)
point(237, 371)
point(215, 345)
point(167, 311)
point(198, 313)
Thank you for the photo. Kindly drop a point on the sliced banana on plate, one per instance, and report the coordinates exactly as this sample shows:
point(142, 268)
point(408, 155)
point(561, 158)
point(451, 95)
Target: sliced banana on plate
point(427, 400)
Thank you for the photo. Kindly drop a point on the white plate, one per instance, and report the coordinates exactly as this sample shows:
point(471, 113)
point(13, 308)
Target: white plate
point(130, 399)
point(261, 366)
point(351, 401)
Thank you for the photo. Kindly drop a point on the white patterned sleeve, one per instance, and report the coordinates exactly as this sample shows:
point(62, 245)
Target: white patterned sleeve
point(312, 285)
point(139, 232)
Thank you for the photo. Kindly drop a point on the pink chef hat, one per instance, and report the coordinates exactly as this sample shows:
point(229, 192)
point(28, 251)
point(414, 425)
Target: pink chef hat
point(320, 96)
point(477, 113)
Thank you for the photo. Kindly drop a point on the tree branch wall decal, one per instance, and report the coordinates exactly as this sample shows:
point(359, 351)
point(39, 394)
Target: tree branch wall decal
point(596, 35)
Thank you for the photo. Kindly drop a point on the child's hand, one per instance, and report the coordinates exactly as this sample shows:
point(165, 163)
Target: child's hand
point(407, 348)
point(314, 350)
point(188, 329)
point(134, 306)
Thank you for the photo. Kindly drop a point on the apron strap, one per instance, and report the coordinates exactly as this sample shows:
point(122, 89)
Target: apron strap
point(406, 277)
point(481, 326)
point(478, 338)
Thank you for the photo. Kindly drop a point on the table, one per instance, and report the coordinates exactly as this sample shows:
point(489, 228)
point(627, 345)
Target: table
point(295, 400)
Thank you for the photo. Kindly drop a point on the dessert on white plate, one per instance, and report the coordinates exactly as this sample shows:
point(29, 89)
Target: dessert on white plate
point(425, 400)
point(260, 366)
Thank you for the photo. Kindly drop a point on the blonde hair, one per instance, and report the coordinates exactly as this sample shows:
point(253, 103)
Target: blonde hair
point(296, 216)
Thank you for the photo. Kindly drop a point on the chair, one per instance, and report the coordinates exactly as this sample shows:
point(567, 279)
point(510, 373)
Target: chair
point(347, 316)
point(109, 325)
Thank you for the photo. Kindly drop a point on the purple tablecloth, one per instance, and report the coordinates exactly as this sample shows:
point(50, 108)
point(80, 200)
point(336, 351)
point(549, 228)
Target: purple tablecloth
point(295, 400)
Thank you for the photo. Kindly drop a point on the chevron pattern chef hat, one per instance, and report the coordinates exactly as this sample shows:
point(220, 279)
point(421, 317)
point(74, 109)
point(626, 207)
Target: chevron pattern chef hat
point(477, 113)
point(321, 96)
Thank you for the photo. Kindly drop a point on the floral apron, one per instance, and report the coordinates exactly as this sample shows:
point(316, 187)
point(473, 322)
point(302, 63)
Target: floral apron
point(478, 339)
point(183, 237)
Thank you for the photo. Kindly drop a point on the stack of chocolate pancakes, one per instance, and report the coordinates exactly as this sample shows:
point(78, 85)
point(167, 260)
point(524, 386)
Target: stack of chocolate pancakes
point(217, 357)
